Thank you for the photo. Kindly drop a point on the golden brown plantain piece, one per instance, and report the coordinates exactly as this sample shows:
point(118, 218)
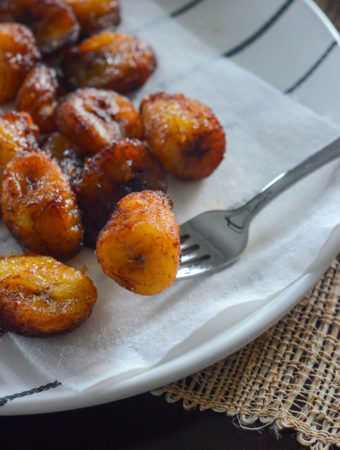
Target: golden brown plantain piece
point(18, 54)
point(125, 167)
point(62, 150)
point(94, 118)
point(38, 96)
point(39, 207)
point(184, 134)
point(110, 60)
point(95, 15)
point(140, 246)
point(52, 22)
point(17, 133)
point(42, 297)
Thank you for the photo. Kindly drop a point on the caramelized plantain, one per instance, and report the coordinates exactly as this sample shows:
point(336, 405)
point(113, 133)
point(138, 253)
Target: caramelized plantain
point(95, 15)
point(125, 167)
point(184, 134)
point(110, 60)
point(17, 133)
point(42, 297)
point(18, 54)
point(52, 22)
point(94, 118)
point(38, 96)
point(140, 246)
point(39, 207)
point(62, 150)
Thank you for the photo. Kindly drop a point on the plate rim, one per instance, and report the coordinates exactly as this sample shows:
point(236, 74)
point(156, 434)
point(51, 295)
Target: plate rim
point(174, 369)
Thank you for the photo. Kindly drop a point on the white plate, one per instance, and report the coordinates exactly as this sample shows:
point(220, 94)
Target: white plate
point(304, 53)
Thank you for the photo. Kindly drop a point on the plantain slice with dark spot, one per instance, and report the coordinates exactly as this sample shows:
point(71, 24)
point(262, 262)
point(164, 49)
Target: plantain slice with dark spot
point(140, 245)
point(184, 134)
point(52, 22)
point(127, 166)
point(109, 60)
point(19, 54)
point(94, 118)
point(42, 297)
point(39, 206)
point(95, 15)
point(39, 96)
point(68, 156)
point(17, 133)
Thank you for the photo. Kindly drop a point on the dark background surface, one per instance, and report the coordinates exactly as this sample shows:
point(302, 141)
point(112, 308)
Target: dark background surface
point(144, 422)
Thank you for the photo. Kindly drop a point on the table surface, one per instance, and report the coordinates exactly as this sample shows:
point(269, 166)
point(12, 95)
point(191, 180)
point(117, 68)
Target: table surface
point(144, 422)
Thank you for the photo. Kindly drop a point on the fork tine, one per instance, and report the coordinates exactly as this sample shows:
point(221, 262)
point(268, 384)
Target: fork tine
point(197, 267)
point(185, 259)
point(193, 253)
point(189, 249)
point(194, 258)
point(209, 243)
point(198, 254)
point(186, 238)
point(187, 242)
point(189, 272)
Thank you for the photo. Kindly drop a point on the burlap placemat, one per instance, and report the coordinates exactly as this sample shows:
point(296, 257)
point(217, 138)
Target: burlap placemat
point(290, 376)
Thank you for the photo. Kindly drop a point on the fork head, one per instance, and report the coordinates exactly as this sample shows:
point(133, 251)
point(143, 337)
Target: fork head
point(210, 242)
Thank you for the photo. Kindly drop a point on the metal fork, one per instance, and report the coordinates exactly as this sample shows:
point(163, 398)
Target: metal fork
point(215, 239)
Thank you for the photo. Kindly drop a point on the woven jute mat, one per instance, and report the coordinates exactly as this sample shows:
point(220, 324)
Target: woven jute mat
point(287, 378)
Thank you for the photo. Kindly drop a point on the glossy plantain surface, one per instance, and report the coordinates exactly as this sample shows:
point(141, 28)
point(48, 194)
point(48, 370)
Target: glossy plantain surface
point(184, 134)
point(42, 297)
point(38, 96)
point(94, 118)
point(96, 15)
point(52, 22)
point(18, 55)
point(128, 166)
point(68, 156)
point(17, 133)
point(39, 207)
point(110, 60)
point(140, 246)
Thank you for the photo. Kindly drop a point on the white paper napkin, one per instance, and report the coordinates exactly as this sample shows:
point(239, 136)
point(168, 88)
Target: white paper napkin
point(267, 133)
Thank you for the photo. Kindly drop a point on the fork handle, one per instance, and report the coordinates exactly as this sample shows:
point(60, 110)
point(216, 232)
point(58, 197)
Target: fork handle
point(285, 180)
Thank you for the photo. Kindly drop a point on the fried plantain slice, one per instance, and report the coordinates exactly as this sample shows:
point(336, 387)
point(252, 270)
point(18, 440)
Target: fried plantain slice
point(38, 96)
point(18, 54)
point(140, 246)
point(62, 150)
point(125, 167)
point(94, 118)
point(184, 134)
point(39, 207)
point(96, 15)
point(110, 60)
point(52, 22)
point(42, 297)
point(17, 133)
